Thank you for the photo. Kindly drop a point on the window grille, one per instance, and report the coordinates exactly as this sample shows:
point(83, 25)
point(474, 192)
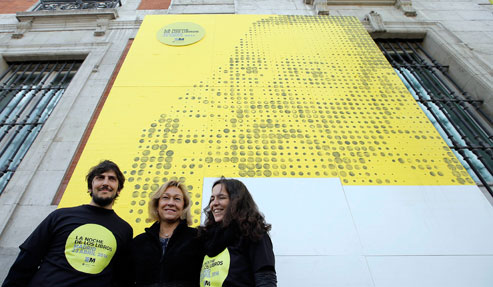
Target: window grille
point(29, 91)
point(457, 117)
point(76, 4)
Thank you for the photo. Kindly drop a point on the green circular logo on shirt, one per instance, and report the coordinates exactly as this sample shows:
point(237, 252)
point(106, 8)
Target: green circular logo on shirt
point(180, 34)
point(89, 248)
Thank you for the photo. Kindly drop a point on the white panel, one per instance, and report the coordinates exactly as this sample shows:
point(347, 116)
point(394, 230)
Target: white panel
point(422, 220)
point(431, 271)
point(322, 271)
point(309, 216)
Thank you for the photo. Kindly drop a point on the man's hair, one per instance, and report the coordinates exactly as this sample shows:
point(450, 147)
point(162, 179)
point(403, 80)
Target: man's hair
point(103, 167)
point(153, 203)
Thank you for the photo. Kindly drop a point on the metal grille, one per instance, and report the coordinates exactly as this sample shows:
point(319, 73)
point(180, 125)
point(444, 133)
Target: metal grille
point(76, 4)
point(29, 91)
point(457, 117)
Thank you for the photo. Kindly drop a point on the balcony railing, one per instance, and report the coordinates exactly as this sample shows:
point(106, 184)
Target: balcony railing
point(51, 5)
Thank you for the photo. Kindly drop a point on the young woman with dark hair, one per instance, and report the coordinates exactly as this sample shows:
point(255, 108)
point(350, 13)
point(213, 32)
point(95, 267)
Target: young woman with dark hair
point(238, 248)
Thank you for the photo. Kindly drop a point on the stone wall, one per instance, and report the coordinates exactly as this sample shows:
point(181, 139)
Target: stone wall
point(457, 33)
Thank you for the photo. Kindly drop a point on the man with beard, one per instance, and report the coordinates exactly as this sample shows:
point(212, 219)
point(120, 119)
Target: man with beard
point(87, 245)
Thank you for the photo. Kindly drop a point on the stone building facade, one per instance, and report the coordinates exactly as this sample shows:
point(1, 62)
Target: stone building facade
point(458, 34)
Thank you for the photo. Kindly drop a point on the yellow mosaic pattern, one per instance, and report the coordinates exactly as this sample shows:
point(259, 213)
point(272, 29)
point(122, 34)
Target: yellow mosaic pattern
point(261, 96)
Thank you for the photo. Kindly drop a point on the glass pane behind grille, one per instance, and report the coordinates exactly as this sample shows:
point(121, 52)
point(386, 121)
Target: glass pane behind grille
point(29, 91)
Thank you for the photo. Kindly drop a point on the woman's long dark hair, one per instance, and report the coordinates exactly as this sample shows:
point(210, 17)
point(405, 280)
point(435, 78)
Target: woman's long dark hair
point(241, 210)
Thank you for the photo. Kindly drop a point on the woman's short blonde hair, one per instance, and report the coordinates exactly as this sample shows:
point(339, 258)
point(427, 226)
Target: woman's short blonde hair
point(153, 202)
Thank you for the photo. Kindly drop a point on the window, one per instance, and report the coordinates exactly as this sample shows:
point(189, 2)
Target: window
point(457, 117)
point(29, 91)
point(76, 4)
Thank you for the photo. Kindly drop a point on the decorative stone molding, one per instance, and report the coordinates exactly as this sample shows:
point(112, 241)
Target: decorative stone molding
point(406, 6)
point(351, 2)
point(101, 26)
point(89, 17)
point(376, 22)
point(90, 14)
point(321, 7)
point(202, 7)
point(22, 27)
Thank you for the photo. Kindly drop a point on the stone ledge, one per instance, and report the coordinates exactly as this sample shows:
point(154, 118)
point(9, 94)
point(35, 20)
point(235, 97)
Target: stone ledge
point(203, 2)
point(101, 16)
point(351, 2)
point(201, 9)
point(323, 7)
point(20, 57)
point(109, 13)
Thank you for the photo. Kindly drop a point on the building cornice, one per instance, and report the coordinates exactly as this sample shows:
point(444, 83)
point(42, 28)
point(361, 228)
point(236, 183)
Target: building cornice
point(109, 13)
point(101, 17)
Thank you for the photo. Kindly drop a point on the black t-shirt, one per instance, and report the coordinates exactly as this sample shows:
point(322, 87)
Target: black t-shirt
point(178, 265)
point(237, 263)
point(78, 246)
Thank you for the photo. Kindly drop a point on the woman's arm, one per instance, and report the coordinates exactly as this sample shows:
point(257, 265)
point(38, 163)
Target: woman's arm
point(263, 262)
point(265, 278)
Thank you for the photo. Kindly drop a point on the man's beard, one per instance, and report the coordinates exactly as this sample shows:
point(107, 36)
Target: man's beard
point(103, 201)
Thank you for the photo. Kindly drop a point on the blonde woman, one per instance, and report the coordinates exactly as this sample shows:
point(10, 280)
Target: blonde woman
point(168, 253)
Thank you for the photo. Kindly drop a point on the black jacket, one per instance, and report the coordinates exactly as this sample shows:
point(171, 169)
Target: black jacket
point(180, 265)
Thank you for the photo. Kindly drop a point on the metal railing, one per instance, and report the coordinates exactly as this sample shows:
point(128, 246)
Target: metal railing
point(76, 4)
point(457, 117)
point(29, 91)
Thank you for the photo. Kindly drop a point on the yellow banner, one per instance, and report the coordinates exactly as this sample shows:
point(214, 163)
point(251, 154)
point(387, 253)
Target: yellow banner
point(260, 96)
